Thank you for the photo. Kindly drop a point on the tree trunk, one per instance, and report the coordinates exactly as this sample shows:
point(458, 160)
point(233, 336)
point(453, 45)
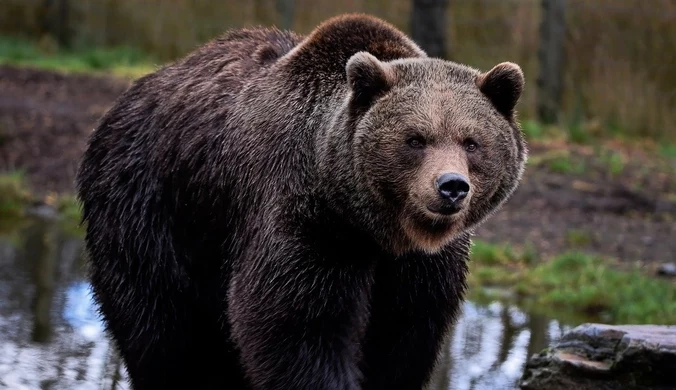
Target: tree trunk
point(286, 10)
point(428, 26)
point(551, 57)
point(63, 32)
point(54, 20)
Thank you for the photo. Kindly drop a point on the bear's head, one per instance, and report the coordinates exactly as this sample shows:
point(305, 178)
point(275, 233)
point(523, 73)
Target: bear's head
point(435, 146)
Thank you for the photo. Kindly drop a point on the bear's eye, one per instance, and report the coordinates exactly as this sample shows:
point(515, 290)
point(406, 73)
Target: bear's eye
point(470, 145)
point(416, 142)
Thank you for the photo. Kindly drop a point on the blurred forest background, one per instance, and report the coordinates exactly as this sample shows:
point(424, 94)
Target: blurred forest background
point(591, 225)
point(589, 235)
point(605, 65)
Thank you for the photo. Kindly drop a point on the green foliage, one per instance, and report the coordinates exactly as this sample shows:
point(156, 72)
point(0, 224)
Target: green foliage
point(70, 212)
point(13, 195)
point(577, 238)
point(574, 284)
point(532, 129)
point(497, 264)
point(566, 164)
point(529, 255)
point(578, 134)
point(69, 207)
point(613, 162)
point(491, 254)
point(590, 284)
point(122, 61)
point(668, 150)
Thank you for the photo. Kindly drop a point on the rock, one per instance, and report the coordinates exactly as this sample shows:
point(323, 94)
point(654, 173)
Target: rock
point(597, 356)
point(667, 269)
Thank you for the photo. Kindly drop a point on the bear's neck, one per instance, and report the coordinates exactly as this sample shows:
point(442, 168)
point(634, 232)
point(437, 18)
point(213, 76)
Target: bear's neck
point(314, 161)
point(342, 188)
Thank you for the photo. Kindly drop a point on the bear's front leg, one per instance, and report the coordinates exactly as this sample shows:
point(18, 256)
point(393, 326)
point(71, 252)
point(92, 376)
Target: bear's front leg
point(298, 317)
point(414, 301)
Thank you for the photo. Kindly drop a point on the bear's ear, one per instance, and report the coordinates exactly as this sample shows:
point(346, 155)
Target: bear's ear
point(503, 85)
point(368, 77)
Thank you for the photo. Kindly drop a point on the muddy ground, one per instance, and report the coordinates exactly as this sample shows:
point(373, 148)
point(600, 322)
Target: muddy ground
point(45, 118)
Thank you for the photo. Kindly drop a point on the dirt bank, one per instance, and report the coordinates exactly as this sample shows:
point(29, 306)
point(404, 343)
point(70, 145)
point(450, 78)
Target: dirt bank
point(45, 118)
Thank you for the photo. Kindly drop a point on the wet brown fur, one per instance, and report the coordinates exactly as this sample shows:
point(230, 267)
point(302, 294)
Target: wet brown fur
point(256, 218)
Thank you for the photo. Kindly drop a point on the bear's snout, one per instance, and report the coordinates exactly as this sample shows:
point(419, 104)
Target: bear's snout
point(453, 188)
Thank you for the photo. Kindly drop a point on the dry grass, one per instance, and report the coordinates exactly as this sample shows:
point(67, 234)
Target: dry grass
point(619, 52)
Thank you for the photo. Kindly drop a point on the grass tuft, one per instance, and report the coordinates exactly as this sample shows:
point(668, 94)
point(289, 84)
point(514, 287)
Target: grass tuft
point(668, 150)
point(578, 238)
point(70, 211)
point(13, 195)
point(566, 164)
point(574, 283)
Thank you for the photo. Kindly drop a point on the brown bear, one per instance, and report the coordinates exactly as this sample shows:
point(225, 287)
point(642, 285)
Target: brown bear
point(276, 211)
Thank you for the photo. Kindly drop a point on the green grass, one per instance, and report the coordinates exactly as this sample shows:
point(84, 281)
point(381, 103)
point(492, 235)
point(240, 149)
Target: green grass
point(592, 134)
point(614, 163)
point(15, 197)
point(604, 161)
point(566, 164)
point(492, 254)
point(611, 162)
point(578, 134)
point(535, 130)
point(590, 284)
point(578, 238)
point(574, 285)
point(532, 129)
point(668, 150)
point(71, 214)
point(120, 61)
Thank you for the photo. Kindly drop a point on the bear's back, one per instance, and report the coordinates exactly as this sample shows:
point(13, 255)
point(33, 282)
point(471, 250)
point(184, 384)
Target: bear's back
point(160, 139)
point(179, 110)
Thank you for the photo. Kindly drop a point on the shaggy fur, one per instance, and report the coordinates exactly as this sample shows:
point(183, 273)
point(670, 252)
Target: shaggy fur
point(260, 214)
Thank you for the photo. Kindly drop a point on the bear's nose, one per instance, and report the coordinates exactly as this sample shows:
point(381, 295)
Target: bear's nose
point(452, 186)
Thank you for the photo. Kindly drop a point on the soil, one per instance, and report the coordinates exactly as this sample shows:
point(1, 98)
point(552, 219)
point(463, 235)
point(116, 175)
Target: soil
point(45, 118)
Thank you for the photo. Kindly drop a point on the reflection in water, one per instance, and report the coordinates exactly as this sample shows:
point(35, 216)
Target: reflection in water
point(52, 338)
point(489, 346)
point(50, 333)
point(39, 249)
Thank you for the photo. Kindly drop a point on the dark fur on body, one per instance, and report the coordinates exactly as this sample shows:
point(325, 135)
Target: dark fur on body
point(247, 229)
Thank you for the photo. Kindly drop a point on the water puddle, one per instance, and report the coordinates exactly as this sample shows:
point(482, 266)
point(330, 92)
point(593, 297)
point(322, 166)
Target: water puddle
point(51, 336)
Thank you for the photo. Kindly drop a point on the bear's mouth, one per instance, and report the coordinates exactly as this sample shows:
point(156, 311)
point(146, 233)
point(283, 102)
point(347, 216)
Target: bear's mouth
point(435, 217)
point(430, 230)
point(444, 210)
point(438, 216)
point(432, 223)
